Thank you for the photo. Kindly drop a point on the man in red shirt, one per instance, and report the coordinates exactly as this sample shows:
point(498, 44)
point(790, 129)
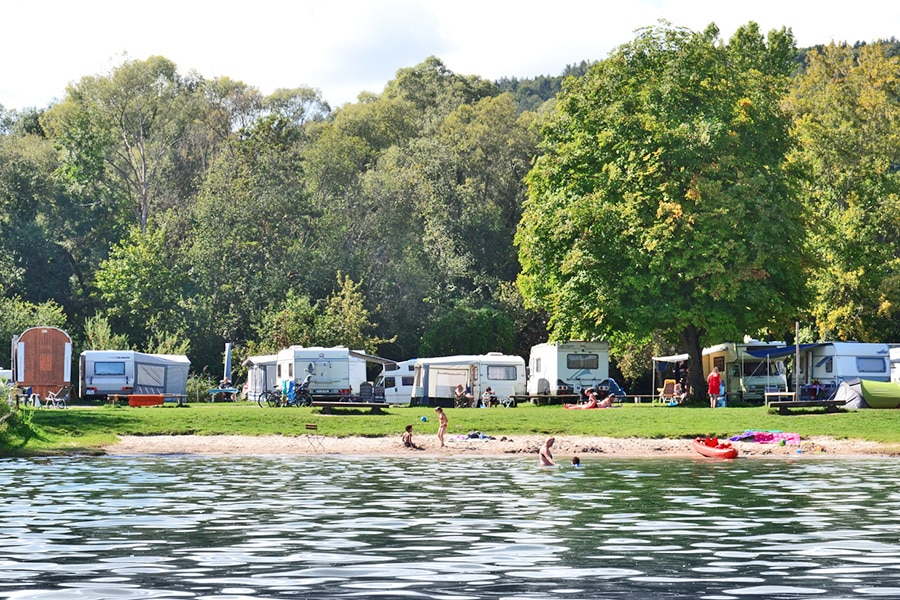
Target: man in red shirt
point(713, 386)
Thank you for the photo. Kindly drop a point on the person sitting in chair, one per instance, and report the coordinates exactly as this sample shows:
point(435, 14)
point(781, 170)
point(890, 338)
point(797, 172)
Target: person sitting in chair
point(462, 399)
point(489, 398)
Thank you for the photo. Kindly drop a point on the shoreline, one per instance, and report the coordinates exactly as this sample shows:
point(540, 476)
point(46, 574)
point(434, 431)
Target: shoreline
point(515, 445)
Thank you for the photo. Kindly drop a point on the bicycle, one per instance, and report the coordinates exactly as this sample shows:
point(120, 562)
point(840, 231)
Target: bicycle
point(271, 398)
point(274, 398)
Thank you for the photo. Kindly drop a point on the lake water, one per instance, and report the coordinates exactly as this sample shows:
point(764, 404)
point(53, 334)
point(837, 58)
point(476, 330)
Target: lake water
point(453, 529)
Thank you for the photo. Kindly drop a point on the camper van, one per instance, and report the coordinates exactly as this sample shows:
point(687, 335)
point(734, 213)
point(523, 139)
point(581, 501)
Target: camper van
point(336, 372)
point(437, 378)
point(397, 380)
point(746, 374)
point(260, 375)
point(830, 363)
point(124, 372)
point(567, 367)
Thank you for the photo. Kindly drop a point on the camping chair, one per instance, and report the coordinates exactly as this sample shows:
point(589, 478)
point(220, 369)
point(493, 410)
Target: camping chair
point(57, 399)
point(667, 391)
point(313, 439)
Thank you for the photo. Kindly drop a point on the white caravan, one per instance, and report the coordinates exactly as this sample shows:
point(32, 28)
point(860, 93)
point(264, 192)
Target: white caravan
point(437, 378)
point(397, 380)
point(895, 363)
point(830, 363)
point(336, 372)
point(567, 367)
point(125, 372)
point(744, 372)
point(260, 375)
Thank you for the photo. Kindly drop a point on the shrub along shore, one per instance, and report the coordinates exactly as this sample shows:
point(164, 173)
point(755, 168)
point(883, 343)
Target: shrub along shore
point(246, 428)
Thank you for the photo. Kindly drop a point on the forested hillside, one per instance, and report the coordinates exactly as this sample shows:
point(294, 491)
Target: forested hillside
point(161, 211)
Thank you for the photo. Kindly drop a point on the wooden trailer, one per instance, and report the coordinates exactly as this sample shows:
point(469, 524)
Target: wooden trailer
point(42, 360)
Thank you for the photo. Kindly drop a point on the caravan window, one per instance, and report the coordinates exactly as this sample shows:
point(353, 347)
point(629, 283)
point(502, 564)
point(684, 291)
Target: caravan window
point(498, 373)
point(870, 364)
point(582, 361)
point(407, 380)
point(828, 363)
point(109, 368)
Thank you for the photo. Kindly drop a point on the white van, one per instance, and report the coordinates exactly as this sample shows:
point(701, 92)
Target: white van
point(397, 380)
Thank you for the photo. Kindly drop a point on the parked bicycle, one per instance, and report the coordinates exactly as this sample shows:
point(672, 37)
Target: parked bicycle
point(275, 398)
point(271, 398)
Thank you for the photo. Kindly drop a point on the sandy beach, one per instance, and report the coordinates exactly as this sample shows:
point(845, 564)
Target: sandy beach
point(564, 448)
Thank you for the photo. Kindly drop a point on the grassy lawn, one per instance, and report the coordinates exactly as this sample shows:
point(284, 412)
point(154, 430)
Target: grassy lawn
point(88, 428)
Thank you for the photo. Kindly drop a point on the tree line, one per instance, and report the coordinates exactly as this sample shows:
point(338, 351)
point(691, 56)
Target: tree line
point(681, 190)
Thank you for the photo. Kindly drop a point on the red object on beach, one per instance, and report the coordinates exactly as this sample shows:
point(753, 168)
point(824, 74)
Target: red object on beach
point(712, 448)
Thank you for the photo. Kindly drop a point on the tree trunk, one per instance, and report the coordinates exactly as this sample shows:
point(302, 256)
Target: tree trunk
point(690, 341)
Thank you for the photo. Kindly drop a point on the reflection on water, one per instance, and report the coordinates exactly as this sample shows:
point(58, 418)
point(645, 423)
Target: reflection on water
point(458, 528)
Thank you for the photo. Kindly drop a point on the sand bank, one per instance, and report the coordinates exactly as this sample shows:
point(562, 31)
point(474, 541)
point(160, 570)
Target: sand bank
point(564, 449)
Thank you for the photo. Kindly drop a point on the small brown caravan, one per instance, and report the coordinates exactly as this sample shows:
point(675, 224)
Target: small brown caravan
point(42, 359)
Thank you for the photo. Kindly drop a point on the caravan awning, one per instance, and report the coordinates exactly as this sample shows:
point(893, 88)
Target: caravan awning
point(671, 359)
point(372, 358)
point(779, 351)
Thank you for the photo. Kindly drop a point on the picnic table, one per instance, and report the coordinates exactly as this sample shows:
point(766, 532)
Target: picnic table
point(225, 391)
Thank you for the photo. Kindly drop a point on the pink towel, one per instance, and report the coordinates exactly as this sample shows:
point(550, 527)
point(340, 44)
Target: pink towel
point(766, 437)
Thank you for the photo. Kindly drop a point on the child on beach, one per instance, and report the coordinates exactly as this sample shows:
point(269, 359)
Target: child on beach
point(407, 439)
point(442, 424)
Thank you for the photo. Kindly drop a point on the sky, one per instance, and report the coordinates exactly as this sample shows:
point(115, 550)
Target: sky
point(344, 47)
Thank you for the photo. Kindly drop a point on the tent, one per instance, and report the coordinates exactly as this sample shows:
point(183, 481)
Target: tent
point(850, 392)
point(880, 394)
point(671, 359)
point(863, 393)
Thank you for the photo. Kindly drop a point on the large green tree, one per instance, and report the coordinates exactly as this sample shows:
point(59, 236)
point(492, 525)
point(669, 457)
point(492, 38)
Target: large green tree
point(660, 203)
point(121, 133)
point(846, 108)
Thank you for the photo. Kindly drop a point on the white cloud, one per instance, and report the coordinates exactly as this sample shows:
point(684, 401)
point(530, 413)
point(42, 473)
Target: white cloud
point(344, 47)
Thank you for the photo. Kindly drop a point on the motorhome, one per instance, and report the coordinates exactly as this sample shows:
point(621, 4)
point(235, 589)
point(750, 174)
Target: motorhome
point(437, 378)
point(125, 372)
point(827, 364)
point(42, 360)
point(396, 380)
point(336, 372)
point(568, 367)
point(260, 375)
point(746, 374)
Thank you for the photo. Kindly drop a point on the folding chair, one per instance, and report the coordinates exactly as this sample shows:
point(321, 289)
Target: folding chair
point(313, 439)
point(57, 399)
point(667, 392)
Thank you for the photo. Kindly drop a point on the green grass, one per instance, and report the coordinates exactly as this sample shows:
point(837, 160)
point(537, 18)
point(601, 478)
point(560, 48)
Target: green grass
point(87, 429)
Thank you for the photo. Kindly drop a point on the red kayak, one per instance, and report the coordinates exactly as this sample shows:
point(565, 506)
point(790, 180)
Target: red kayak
point(712, 448)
